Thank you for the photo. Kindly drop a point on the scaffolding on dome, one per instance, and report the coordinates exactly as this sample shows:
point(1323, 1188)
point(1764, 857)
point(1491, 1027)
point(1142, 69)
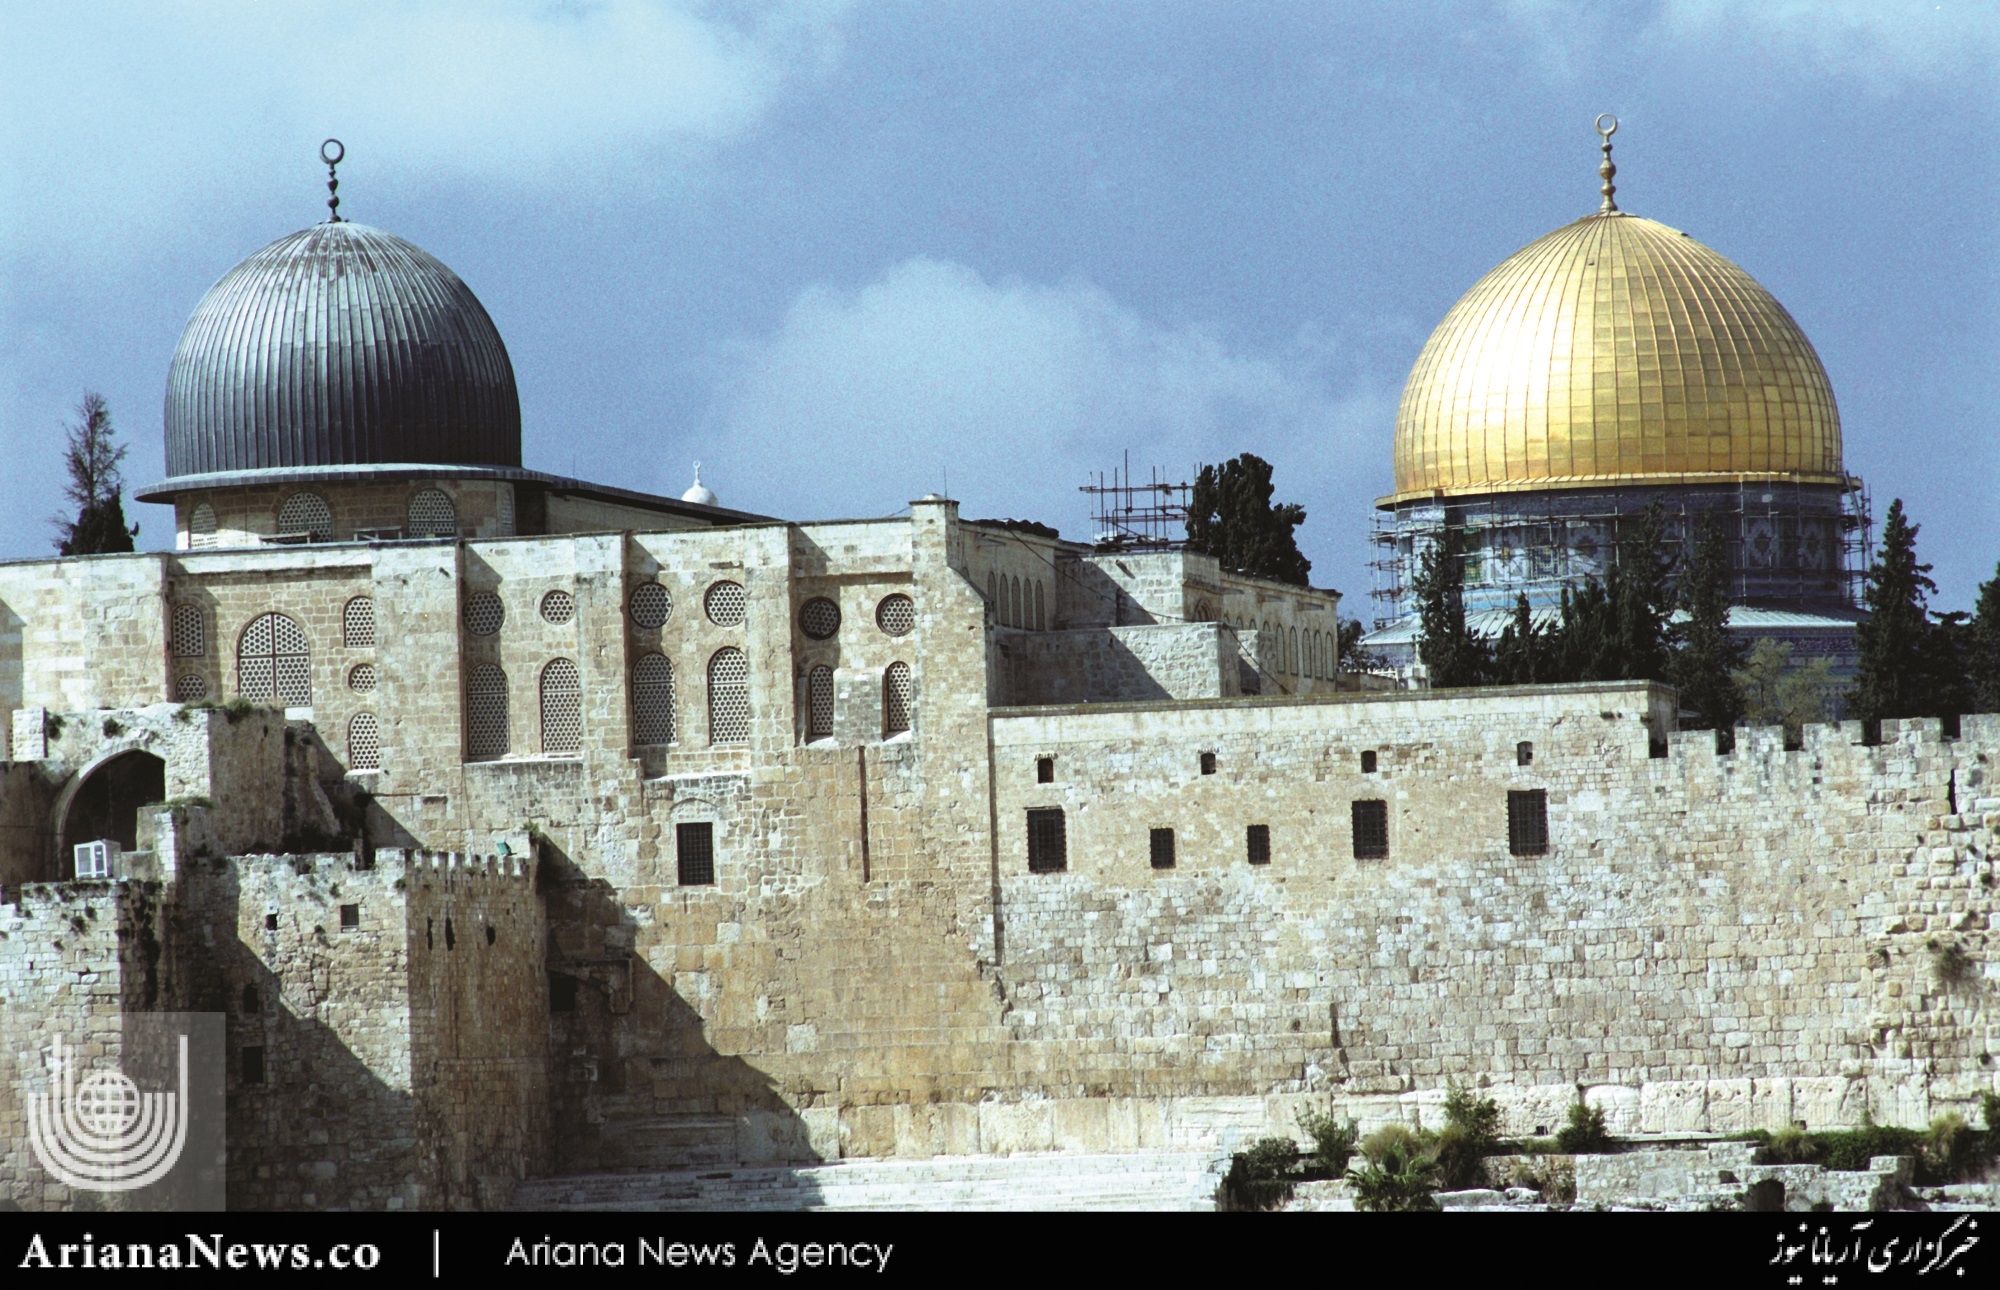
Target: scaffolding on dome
point(1138, 517)
point(1554, 544)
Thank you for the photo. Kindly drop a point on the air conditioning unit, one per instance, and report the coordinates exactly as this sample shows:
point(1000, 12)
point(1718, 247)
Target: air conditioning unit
point(95, 859)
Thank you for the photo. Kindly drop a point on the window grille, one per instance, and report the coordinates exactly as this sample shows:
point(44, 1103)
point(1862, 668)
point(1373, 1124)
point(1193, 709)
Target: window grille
point(652, 700)
point(1041, 610)
point(191, 688)
point(1528, 822)
point(361, 678)
point(694, 854)
point(486, 712)
point(819, 619)
point(819, 703)
point(1371, 830)
point(272, 662)
point(1045, 770)
point(1257, 844)
point(364, 742)
point(202, 526)
point(558, 607)
point(309, 514)
point(562, 708)
point(357, 623)
point(432, 515)
point(506, 511)
point(484, 613)
point(1048, 845)
point(896, 615)
point(724, 603)
point(1161, 846)
point(897, 692)
point(728, 696)
point(190, 629)
point(650, 606)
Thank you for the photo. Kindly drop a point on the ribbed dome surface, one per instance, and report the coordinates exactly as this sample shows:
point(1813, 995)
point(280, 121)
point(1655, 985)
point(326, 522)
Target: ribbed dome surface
point(340, 345)
point(1614, 351)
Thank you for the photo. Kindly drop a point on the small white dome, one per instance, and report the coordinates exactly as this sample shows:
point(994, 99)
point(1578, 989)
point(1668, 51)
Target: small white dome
point(700, 495)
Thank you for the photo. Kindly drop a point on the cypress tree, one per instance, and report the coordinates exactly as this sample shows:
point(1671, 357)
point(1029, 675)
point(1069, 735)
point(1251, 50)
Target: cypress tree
point(1982, 649)
point(1231, 517)
point(91, 456)
point(1897, 655)
point(1454, 656)
point(1705, 654)
point(1522, 656)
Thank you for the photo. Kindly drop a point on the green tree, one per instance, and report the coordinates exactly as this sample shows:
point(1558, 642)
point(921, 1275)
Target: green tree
point(1705, 655)
point(1982, 652)
point(1454, 656)
point(1352, 657)
point(1898, 655)
point(1231, 517)
point(1616, 630)
point(91, 455)
point(1776, 693)
point(1523, 655)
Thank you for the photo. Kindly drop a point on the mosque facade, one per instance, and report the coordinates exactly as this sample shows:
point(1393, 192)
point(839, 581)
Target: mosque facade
point(526, 831)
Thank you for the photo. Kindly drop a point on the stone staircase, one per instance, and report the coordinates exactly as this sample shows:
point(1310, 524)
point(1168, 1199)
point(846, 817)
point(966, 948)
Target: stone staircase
point(1176, 1181)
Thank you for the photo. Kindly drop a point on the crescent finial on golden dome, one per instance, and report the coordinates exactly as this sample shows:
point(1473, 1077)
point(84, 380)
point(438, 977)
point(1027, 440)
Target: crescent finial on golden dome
point(1607, 170)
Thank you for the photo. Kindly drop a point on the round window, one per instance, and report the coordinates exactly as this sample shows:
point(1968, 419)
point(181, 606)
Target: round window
point(725, 604)
point(896, 615)
point(558, 607)
point(819, 618)
point(484, 613)
point(651, 605)
point(361, 677)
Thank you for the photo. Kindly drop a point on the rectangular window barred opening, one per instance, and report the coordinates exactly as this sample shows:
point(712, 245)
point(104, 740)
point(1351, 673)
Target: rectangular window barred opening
point(694, 854)
point(1528, 822)
point(1371, 829)
point(1162, 847)
point(1257, 843)
point(1045, 770)
point(1048, 843)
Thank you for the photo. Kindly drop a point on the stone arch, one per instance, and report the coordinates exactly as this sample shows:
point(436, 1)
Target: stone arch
point(103, 799)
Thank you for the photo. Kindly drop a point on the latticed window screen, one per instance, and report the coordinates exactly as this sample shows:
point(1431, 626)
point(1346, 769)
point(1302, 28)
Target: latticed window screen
point(1371, 830)
point(651, 606)
point(562, 708)
point(1528, 822)
point(819, 703)
point(819, 618)
point(190, 688)
point(307, 513)
point(558, 607)
point(190, 631)
point(364, 742)
point(728, 696)
point(896, 615)
point(357, 623)
point(433, 515)
point(486, 712)
point(1160, 848)
point(694, 854)
point(652, 700)
point(272, 661)
point(898, 690)
point(1257, 844)
point(361, 677)
point(484, 613)
point(724, 603)
point(202, 526)
point(1048, 844)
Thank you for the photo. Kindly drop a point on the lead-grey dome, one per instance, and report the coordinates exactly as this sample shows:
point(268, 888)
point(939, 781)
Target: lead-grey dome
point(340, 345)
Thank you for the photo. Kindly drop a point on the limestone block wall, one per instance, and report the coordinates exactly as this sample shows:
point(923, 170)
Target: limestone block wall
point(1119, 664)
point(245, 517)
point(1709, 942)
point(74, 957)
point(83, 633)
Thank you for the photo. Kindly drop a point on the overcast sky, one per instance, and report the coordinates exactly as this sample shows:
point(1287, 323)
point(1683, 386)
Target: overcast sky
point(839, 251)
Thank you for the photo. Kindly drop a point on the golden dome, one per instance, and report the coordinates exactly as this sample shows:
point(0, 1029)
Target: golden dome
point(1614, 351)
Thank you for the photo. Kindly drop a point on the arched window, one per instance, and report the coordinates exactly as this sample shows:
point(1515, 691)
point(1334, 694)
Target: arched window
point(357, 623)
point(273, 662)
point(202, 526)
point(190, 632)
point(1041, 610)
point(306, 513)
point(506, 510)
point(728, 696)
point(897, 692)
point(432, 515)
point(1020, 618)
point(486, 713)
point(993, 598)
point(364, 742)
point(562, 708)
point(819, 703)
point(1294, 652)
point(652, 700)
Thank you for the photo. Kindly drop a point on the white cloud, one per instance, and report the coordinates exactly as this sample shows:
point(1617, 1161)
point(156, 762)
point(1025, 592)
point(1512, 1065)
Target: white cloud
point(864, 399)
